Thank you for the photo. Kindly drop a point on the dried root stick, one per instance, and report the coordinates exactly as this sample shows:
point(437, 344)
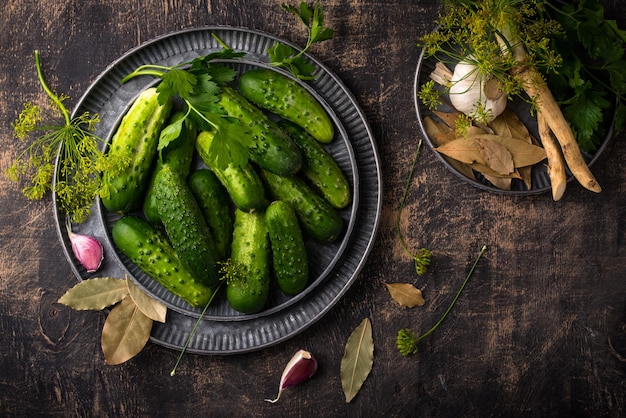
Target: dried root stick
point(556, 165)
point(536, 88)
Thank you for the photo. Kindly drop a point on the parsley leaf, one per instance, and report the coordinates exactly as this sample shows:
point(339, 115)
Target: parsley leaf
point(282, 55)
point(227, 151)
point(590, 84)
point(176, 81)
point(585, 113)
point(198, 84)
point(170, 133)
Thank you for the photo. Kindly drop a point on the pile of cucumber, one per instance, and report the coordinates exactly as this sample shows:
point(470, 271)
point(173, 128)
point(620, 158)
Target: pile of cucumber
point(182, 226)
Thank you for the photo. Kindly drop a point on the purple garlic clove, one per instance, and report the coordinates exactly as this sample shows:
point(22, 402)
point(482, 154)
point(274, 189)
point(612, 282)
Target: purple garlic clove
point(87, 250)
point(301, 367)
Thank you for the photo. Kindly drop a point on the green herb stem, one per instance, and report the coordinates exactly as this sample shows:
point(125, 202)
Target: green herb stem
point(148, 69)
point(55, 99)
point(194, 329)
point(403, 199)
point(407, 340)
point(456, 297)
point(422, 257)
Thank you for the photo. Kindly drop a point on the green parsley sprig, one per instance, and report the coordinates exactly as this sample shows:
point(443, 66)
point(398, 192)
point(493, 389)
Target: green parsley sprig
point(80, 160)
point(198, 84)
point(590, 84)
point(282, 55)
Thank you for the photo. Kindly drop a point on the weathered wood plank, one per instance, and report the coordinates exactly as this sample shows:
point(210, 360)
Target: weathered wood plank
point(530, 335)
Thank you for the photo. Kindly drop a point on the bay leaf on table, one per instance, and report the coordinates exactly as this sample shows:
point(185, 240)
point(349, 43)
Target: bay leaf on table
point(95, 294)
point(405, 294)
point(150, 307)
point(125, 332)
point(358, 359)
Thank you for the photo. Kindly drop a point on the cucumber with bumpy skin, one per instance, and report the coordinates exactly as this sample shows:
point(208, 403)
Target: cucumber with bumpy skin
point(214, 203)
point(243, 184)
point(269, 147)
point(289, 257)
point(185, 226)
point(317, 217)
point(135, 141)
point(286, 98)
point(149, 250)
point(319, 167)
point(247, 289)
point(178, 154)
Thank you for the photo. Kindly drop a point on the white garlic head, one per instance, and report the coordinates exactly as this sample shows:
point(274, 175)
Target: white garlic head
point(477, 95)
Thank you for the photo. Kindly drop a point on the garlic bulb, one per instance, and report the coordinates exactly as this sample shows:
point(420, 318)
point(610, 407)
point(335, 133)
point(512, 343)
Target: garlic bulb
point(477, 95)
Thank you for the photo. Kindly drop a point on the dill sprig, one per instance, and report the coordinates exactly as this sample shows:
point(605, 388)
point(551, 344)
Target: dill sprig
point(407, 339)
point(72, 139)
point(470, 31)
point(422, 257)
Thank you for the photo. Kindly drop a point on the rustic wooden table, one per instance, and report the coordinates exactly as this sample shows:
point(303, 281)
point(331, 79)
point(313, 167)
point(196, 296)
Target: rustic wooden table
point(539, 331)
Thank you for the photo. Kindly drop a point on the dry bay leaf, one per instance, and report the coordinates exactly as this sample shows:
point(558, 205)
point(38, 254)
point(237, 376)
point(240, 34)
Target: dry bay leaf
point(526, 175)
point(96, 294)
point(524, 154)
point(125, 332)
point(440, 134)
point(497, 156)
point(465, 150)
point(490, 173)
point(509, 124)
point(150, 307)
point(449, 118)
point(358, 359)
point(503, 183)
point(405, 294)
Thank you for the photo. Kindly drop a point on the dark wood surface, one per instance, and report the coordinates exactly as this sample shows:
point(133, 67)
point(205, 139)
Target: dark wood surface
point(539, 331)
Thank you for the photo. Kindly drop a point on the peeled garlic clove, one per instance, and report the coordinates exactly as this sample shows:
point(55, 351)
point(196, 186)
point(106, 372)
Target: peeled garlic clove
point(87, 250)
point(301, 367)
point(477, 95)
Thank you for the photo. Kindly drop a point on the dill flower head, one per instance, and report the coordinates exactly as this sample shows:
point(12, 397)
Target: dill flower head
point(406, 342)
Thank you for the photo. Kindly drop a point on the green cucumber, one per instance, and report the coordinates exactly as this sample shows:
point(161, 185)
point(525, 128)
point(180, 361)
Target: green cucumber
point(269, 146)
point(185, 226)
point(288, 99)
point(178, 154)
point(317, 217)
point(242, 183)
point(149, 250)
point(214, 203)
point(289, 257)
point(135, 141)
point(319, 167)
point(247, 289)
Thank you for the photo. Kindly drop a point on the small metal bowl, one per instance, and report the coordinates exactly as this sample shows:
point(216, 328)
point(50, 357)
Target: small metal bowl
point(540, 181)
